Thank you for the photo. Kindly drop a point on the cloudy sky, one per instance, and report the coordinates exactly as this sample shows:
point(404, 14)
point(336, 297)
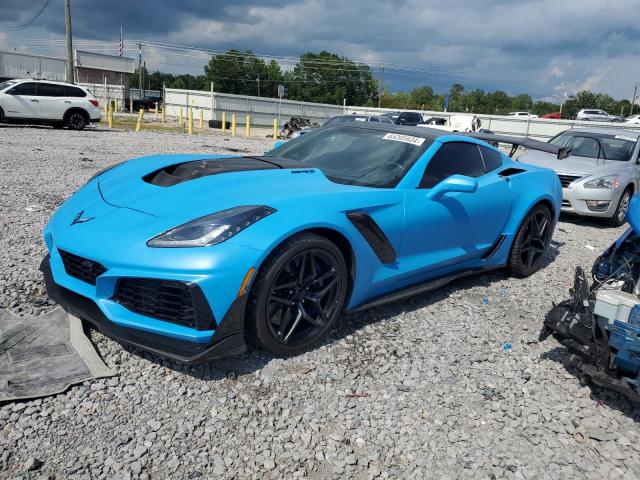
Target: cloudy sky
point(520, 46)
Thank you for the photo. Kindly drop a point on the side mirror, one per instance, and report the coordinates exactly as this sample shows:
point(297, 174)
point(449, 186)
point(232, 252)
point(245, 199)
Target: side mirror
point(454, 183)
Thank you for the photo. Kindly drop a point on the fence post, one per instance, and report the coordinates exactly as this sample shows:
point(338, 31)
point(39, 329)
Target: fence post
point(180, 117)
point(139, 123)
point(233, 125)
point(130, 102)
point(164, 113)
point(190, 121)
point(224, 122)
point(528, 123)
point(213, 107)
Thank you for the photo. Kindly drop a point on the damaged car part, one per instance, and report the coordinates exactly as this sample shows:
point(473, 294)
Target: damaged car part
point(601, 324)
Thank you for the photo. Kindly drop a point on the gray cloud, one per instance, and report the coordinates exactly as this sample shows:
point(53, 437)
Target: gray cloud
point(532, 46)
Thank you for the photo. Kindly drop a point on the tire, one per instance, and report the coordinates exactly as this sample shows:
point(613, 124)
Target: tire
point(527, 252)
point(76, 120)
point(620, 215)
point(297, 296)
point(1, 115)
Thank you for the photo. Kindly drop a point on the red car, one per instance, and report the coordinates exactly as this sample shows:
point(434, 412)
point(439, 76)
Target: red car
point(554, 115)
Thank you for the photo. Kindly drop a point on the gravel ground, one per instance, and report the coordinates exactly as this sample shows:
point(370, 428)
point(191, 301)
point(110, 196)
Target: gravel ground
point(420, 389)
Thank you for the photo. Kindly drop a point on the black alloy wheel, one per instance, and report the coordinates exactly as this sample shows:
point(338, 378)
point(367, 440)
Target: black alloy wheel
point(531, 242)
point(298, 295)
point(77, 120)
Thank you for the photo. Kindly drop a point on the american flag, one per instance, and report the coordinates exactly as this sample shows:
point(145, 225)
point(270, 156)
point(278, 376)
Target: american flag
point(121, 47)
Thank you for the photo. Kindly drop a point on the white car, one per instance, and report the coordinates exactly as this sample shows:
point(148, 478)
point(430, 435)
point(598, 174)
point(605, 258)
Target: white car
point(522, 115)
point(58, 104)
point(633, 120)
point(596, 115)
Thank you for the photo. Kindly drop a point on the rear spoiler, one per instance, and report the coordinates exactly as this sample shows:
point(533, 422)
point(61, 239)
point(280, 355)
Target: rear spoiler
point(525, 142)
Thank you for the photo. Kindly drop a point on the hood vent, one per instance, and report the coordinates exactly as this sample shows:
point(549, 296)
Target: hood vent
point(187, 171)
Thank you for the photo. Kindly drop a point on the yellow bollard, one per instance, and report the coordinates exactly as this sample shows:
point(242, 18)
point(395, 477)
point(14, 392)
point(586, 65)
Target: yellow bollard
point(201, 119)
point(180, 117)
point(247, 127)
point(139, 123)
point(190, 120)
point(224, 122)
point(233, 125)
point(275, 128)
point(116, 105)
point(110, 118)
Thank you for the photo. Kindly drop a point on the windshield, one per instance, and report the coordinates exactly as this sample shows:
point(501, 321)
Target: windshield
point(596, 145)
point(356, 156)
point(6, 84)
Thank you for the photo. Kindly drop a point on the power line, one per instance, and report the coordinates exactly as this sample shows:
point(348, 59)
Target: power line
point(33, 19)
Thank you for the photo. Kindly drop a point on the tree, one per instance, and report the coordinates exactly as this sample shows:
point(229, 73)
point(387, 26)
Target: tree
point(328, 78)
point(242, 73)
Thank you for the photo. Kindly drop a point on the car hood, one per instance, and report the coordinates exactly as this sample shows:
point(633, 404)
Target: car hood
point(147, 184)
point(572, 164)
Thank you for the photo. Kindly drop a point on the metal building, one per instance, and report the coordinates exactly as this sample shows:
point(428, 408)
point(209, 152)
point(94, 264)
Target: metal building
point(24, 65)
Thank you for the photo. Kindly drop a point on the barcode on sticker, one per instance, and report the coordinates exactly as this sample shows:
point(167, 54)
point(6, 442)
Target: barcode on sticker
point(396, 137)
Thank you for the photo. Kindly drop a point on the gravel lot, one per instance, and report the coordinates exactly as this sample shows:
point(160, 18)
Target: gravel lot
point(417, 389)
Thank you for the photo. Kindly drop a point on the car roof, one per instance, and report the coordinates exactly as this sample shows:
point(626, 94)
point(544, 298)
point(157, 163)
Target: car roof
point(606, 131)
point(421, 132)
point(39, 80)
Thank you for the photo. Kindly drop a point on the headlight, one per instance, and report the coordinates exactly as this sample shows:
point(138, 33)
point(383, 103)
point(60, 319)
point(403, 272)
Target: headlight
point(612, 181)
point(212, 229)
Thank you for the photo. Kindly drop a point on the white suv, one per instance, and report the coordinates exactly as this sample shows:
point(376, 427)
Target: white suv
point(588, 114)
point(58, 104)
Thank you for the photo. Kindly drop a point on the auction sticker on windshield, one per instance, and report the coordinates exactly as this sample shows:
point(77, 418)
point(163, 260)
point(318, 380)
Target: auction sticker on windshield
point(396, 137)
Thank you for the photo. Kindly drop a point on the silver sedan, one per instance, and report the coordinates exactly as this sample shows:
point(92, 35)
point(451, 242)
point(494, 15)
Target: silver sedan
point(600, 175)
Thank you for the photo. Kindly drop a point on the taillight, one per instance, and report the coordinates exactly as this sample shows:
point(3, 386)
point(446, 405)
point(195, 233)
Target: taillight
point(94, 102)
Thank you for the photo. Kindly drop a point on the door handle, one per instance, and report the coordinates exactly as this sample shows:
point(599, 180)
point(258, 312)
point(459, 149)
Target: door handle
point(67, 101)
point(35, 101)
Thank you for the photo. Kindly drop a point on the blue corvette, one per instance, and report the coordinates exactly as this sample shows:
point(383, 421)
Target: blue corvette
point(193, 256)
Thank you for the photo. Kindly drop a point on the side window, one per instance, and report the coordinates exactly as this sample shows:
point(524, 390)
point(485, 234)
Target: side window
point(492, 159)
point(74, 92)
point(27, 88)
point(453, 158)
point(50, 90)
point(373, 119)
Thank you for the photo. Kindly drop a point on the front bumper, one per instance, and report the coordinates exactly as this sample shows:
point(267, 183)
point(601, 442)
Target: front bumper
point(227, 340)
point(575, 197)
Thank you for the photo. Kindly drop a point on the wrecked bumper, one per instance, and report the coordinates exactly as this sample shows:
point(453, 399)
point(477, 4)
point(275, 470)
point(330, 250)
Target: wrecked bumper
point(600, 324)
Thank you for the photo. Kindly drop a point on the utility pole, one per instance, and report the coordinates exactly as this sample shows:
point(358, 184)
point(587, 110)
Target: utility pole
point(633, 101)
point(564, 96)
point(258, 85)
point(381, 87)
point(67, 15)
point(140, 68)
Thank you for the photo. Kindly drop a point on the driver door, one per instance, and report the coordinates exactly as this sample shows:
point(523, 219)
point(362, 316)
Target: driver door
point(455, 227)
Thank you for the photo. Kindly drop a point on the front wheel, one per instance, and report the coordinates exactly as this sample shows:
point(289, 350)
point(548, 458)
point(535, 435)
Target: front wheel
point(297, 296)
point(620, 215)
point(531, 242)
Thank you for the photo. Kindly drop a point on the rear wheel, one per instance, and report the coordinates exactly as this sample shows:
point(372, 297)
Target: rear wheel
point(1, 115)
point(77, 120)
point(620, 215)
point(531, 242)
point(297, 296)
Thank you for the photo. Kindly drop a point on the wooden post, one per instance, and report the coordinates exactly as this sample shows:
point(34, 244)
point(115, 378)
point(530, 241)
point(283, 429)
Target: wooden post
point(190, 121)
point(224, 122)
point(247, 127)
point(233, 124)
